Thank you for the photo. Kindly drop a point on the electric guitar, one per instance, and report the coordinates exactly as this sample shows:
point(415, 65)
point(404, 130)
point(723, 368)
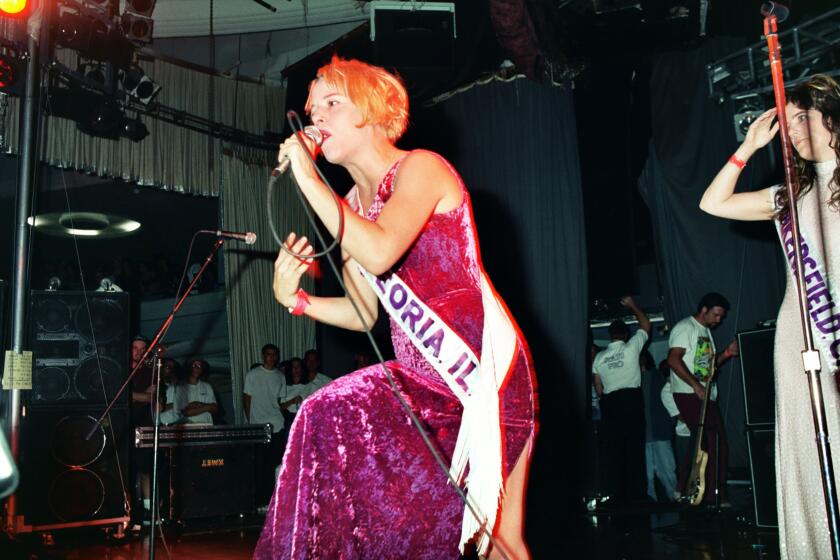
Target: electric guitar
point(695, 487)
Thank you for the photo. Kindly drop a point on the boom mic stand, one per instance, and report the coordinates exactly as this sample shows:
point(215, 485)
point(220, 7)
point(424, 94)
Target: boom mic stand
point(153, 347)
point(772, 12)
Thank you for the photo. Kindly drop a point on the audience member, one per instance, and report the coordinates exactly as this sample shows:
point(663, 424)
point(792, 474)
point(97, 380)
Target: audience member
point(194, 398)
point(170, 376)
point(296, 390)
point(314, 378)
point(264, 387)
point(659, 430)
point(617, 379)
point(142, 397)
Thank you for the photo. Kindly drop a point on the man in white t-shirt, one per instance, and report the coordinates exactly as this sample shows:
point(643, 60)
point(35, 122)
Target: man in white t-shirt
point(617, 377)
point(193, 401)
point(314, 378)
point(264, 385)
point(692, 357)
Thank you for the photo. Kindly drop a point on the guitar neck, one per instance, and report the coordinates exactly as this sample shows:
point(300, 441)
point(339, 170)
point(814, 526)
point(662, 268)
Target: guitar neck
point(706, 398)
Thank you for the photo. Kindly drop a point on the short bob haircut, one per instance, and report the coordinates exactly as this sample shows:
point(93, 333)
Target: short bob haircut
point(379, 95)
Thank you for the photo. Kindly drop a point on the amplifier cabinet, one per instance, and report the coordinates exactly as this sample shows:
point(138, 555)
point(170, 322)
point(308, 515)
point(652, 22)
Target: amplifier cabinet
point(760, 445)
point(756, 356)
point(211, 481)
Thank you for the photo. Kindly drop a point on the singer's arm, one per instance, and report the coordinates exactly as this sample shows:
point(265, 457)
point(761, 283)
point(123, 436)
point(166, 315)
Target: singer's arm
point(720, 198)
point(424, 185)
point(336, 311)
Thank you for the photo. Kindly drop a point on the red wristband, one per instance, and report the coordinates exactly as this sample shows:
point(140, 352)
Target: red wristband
point(738, 162)
point(301, 304)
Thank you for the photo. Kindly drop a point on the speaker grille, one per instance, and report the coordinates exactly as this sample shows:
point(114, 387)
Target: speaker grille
point(80, 347)
point(76, 495)
point(70, 444)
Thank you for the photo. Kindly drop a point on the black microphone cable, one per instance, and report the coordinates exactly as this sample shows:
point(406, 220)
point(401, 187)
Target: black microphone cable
point(296, 125)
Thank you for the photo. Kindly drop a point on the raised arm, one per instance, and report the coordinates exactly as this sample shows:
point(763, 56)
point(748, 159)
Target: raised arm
point(644, 320)
point(424, 185)
point(720, 198)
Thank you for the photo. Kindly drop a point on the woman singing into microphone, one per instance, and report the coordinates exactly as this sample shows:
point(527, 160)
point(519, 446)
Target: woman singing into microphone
point(813, 113)
point(357, 479)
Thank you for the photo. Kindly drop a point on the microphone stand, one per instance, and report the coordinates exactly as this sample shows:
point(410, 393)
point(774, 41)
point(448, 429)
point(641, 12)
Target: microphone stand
point(810, 356)
point(153, 347)
point(153, 500)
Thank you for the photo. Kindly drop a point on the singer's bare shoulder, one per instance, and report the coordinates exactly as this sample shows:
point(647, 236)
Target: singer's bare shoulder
point(431, 173)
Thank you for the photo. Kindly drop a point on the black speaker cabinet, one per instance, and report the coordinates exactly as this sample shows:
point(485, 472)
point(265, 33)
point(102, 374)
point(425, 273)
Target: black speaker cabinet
point(211, 481)
point(66, 479)
point(3, 321)
point(763, 471)
point(758, 375)
point(80, 347)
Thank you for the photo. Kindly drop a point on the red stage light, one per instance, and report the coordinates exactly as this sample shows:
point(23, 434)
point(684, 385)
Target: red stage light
point(8, 73)
point(12, 71)
point(12, 7)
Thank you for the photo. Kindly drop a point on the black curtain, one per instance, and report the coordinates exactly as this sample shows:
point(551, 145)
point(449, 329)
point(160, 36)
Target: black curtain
point(515, 144)
point(692, 138)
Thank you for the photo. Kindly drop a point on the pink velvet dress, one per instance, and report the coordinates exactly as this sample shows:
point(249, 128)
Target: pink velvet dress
point(357, 480)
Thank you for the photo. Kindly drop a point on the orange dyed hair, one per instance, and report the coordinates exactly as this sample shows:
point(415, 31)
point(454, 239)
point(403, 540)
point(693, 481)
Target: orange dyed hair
point(379, 95)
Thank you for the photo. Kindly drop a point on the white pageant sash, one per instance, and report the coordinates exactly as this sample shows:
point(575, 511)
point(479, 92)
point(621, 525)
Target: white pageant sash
point(475, 382)
point(819, 291)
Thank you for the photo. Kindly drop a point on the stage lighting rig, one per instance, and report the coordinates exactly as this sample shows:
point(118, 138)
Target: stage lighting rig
point(140, 7)
point(107, 7)
point(12, 71)
point(748, 107)
point(138, 85)
point(94, 112)
point(137, 22)
point(14, 8)
point(134, 129)
point(92, 31)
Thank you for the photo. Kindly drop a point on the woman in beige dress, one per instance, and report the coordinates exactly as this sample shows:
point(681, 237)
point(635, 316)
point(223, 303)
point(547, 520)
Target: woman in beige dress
point(813, 114)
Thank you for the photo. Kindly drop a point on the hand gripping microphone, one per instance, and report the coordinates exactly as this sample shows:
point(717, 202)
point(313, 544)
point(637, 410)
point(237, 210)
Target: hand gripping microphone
point(313, 134)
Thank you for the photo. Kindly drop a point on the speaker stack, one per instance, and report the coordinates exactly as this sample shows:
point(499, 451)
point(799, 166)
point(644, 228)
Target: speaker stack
point(756, 349)
point(80, 351)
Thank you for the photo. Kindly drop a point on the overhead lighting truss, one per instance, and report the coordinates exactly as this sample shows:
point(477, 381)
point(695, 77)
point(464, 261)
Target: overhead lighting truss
point(808, 48)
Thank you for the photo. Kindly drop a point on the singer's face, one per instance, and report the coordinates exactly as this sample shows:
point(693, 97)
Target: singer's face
point(338, 118)
point(808, 134)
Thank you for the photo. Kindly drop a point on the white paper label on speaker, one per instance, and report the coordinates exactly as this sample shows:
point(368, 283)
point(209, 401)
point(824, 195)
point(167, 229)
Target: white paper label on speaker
point(17, 370)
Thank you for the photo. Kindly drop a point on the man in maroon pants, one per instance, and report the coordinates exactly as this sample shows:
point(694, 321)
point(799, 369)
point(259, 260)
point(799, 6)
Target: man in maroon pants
point(690, 355)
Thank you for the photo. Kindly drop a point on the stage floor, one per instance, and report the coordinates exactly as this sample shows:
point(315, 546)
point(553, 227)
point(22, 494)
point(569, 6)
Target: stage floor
point(645, 533)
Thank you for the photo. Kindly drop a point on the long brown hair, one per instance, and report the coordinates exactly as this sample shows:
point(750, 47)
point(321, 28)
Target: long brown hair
point(822, 93)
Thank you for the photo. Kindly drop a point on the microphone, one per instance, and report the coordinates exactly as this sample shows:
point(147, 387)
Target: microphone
point(775, 9)
point(249, 237)
point(313, 134)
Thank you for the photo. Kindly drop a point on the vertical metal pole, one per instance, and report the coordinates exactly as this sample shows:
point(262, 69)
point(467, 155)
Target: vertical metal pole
point(27, 160)
point(810, 356)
